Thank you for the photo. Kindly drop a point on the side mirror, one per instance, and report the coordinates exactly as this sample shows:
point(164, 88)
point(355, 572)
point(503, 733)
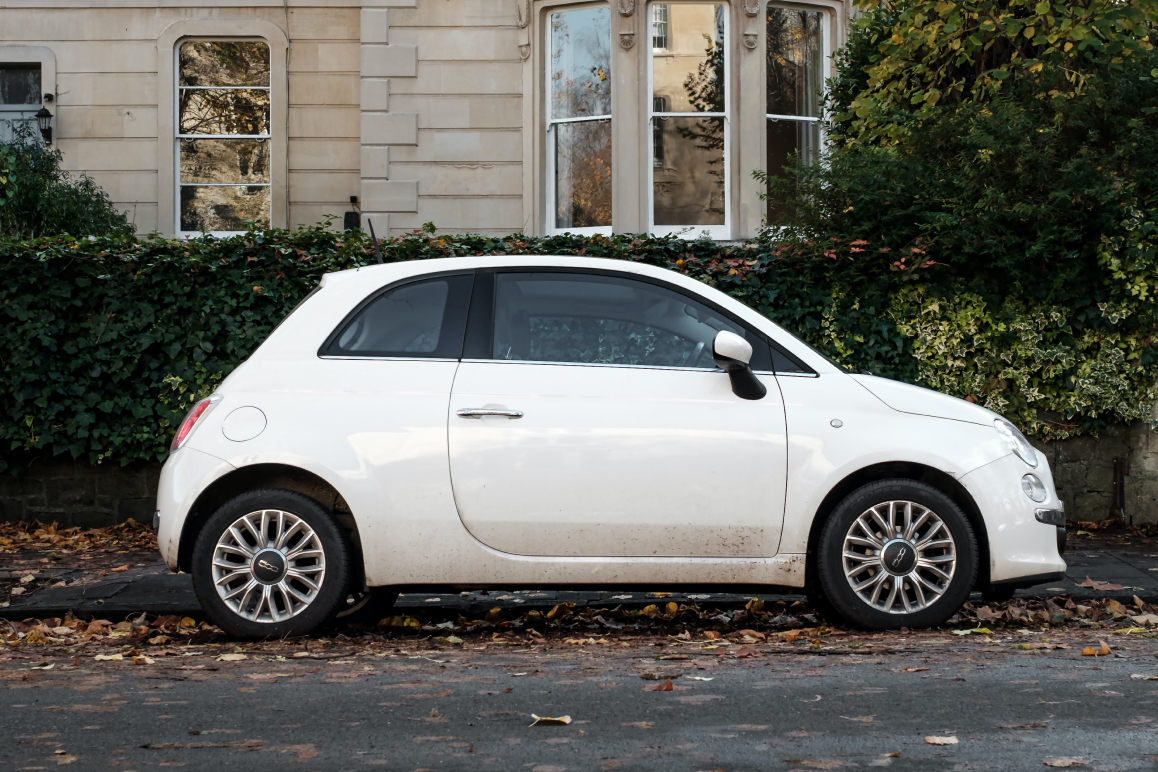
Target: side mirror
point(732, 354)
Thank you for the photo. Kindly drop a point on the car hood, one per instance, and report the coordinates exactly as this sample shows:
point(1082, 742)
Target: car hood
point(906, 398)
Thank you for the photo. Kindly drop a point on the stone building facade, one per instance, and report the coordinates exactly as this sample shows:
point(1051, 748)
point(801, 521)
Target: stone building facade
point(490, 116)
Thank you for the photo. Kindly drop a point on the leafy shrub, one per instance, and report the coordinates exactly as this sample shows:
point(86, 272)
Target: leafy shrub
point(990, 189)
point(38, 198)
point(106, 342)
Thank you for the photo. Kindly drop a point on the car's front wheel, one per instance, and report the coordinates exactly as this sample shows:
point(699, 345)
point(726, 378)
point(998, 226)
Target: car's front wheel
point(270, 563)
point(897, 553)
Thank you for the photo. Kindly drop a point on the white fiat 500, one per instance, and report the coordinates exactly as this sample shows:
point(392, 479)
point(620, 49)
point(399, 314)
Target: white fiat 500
point(563, 422)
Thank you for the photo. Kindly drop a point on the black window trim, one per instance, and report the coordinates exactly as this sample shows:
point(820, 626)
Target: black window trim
point(484, 339)
point(333, 336)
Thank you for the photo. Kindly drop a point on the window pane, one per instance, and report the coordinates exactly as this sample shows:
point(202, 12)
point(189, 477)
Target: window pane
point(688, 187)
point(222, 63)
point(559, 317)
point(224, 111)
point(659, 25)
point(224, 208)
point(426, 318)
point(581, 63)
point(20, 84)
point(689, 72)
point(224, 160)
point(795, 65)
point(785, 140)
point(583, 174)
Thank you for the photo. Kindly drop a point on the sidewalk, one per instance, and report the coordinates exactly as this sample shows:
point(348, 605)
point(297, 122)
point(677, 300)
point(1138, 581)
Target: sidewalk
point(115, 585)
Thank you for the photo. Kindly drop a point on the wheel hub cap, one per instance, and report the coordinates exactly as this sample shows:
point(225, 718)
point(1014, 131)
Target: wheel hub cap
point(899, 557)
point(268, 566)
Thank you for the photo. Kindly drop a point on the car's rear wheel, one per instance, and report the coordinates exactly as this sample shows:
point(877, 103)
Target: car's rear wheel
point(897, 553)
point(270, 563)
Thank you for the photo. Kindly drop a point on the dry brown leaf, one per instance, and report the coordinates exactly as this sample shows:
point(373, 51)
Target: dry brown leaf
point(1065, 761)
point(666, 686)
point(548, 721)
point(935, 740)
point(1101, 651)
point(120, 569)
point(860, 719)
point(1102, 586)
point(711, 635)
point(232, 657)
point(754, 634)
point(639, 724)
point(915, 669)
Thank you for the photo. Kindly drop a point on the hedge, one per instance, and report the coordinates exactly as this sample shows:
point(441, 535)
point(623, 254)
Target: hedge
point(106, 342)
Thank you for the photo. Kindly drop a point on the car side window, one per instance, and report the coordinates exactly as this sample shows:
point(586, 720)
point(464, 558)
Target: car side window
point(602, 319)
point(424, 319)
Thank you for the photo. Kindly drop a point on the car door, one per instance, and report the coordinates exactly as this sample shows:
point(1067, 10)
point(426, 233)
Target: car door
point(587, 418)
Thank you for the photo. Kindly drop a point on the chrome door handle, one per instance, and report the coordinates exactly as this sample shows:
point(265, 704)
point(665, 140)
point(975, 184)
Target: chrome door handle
point(479, 412)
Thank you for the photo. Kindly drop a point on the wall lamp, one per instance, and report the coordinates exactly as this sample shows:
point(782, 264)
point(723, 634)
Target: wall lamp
point(44, 120)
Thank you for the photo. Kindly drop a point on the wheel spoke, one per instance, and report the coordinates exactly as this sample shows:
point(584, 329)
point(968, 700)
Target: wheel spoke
point(227, 578)
point(933, 570)
point(872, 580)
point(917, 589)
point(860, 541)
point(913, 529)
point(303, 579)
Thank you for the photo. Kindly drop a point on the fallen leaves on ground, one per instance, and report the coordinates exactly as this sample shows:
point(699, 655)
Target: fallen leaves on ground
point(1103, 586)
point(548, 721)
point(935, 740)
point(1065, 761)
point(52, 537)
point(666, 686)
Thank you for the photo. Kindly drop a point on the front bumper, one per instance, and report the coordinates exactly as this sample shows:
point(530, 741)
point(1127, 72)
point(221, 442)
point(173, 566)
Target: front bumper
point(1021, 547)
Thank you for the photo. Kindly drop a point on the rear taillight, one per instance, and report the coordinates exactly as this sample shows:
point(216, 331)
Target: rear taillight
point(195, 415)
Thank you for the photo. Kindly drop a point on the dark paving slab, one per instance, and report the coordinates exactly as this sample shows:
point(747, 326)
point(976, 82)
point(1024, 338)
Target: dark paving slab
point(154, 590)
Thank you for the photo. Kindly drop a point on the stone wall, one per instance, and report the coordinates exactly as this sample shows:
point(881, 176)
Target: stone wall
point(83, 495)
point(76, 494)
point(1083, 469)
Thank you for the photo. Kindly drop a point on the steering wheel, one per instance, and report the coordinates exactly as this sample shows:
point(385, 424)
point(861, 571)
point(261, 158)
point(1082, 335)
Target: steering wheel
point(694, 355)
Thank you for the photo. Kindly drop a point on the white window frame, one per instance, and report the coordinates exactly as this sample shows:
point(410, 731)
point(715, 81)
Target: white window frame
point(825, 59)
point(551, 122)
point(179, 137)
point(31, 55)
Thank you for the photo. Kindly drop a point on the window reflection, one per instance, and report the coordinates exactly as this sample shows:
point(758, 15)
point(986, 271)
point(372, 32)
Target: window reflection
point(579, 125)
point(795, 76)
point(223, 135)
point(688, 153)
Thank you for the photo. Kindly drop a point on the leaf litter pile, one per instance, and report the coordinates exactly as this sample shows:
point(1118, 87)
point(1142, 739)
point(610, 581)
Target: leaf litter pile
point(52, 538)
point(751, 631)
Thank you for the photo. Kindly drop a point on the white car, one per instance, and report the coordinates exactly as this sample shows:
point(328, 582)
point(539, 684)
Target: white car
point(522, 422)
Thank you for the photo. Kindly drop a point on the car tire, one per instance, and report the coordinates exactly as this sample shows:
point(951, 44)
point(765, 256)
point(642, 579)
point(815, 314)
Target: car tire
point(880, 579)
point(367, 607)
point(270, 564)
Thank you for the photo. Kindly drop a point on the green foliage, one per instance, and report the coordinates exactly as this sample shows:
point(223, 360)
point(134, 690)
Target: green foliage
point(38, 198)
point(106, 342)
point(938, 52)
point(991, 193)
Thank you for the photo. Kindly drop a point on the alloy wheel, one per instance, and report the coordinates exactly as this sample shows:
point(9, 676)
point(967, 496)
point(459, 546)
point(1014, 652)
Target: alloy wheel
point(899, 557)
point(268, 566)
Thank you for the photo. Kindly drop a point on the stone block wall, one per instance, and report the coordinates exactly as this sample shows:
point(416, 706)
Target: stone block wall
point(1083, 470)
point(76, 494)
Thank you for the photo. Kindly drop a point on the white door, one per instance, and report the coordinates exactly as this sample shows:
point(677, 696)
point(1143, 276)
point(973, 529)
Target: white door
point(629, 442)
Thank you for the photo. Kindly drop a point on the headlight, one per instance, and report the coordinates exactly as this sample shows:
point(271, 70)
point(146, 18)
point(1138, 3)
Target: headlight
point(1017, 441)
point(1034, 488)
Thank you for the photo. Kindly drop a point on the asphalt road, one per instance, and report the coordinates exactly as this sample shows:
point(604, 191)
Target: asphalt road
point(469, 707)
